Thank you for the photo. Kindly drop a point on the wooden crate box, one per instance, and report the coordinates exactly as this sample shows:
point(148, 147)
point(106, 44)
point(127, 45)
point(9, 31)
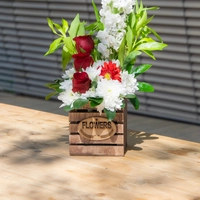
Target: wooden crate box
point(82, 145)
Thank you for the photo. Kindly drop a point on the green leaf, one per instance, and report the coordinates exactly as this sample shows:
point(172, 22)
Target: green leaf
point(79, 103)
point(51, 95)
point(129, 68)
point(66, 57)
point(151, 46)
point(130, 96)
point(50, 23)
point(145, 40)
point(121, 52)
point(155, 33)
point(145, 87)
point(149, 20)
point(135, 102)
point(109, 114)
point(68, 108)
point(56, 44)
point(94, 83)
point(131, 56)
point(129, 38)
point(69, 44)
point(141, 6)
point(65, 25)
point(141, 69)
point(74, 27)
point(91, 26)
point(54, 86)
point(81, 29)
point(150, 54)
point(142, 22)
point(153, 8)
point(96, 11)
point(136, 6)
point(60, 29)
point(95, 101)
point(132, 20)
point(124, 103)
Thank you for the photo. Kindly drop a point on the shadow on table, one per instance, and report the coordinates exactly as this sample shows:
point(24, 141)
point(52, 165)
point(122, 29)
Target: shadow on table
point(22, 147)
point(137, 137)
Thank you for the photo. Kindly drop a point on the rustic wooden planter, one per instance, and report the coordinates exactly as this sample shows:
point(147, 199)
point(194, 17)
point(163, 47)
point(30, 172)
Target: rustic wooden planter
point(79, 145)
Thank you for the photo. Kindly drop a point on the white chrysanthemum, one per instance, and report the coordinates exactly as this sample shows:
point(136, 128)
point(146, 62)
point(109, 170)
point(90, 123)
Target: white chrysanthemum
point(69, 73)
point(110, 90)
point(129, 83)
point(92, 72)
point(67, 96)
point(90, 93)
point(66, 85)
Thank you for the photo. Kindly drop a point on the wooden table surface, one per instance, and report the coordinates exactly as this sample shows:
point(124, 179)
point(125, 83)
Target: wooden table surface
point(35, 164)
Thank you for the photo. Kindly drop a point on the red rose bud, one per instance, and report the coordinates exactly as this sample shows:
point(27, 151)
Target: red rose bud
point(84, 44)
point(82, 61)
point(81, 82)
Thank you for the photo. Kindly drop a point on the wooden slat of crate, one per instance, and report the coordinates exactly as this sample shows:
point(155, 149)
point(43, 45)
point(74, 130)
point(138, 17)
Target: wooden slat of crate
point(78, 139)
point(78, 116)
point(96, 150)
point(114, 146)
point(73, 128)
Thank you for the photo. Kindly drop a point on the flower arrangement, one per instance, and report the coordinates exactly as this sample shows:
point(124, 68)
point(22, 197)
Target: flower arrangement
point(103, 56)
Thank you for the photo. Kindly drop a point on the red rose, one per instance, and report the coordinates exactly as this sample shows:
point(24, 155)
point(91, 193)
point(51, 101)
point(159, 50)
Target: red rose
point(84, 44)
point(82, 61)
point(80, 82)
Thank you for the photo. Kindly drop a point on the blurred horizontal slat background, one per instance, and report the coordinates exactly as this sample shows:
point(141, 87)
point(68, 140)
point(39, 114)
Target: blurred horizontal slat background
point(25, 37)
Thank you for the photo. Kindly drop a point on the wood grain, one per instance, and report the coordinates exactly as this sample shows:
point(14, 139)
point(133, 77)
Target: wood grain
point(77, 139)
point(73, 128)
point(35, 163)
point(75, 116)
point(113, 146)
point(100, 150)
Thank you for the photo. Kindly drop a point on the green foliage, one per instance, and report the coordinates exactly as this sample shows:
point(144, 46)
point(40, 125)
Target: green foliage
point(130, 60)
point(109, 114)
point(54, 86)
point(145, 87)
point(96, 11)
point(135, 102)
point(139, 34)
point(65, 35)
point(95, 101)
point(74, 27)
point(139, 38)
point(66, 57)
point(151, 46)
point(76, 105)
point(141, 69)
point(56, 44)
point(79, 103)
